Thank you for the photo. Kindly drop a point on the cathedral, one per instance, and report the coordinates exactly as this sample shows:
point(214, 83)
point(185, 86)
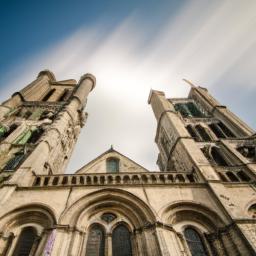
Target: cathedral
point(201, 202)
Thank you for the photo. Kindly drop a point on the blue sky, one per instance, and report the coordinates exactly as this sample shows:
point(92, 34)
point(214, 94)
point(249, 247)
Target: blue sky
point(30, 26)
point(131, 47)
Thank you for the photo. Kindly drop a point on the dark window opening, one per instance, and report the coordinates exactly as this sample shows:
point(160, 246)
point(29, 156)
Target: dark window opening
point(248, 152)
point(37, 182)
point(48, 95)
point(27, 114)
point(5, 132)
point(179, 178)
point(226, 130)
point(195, 242)
point(204, 135)
point(243, 176)
point(96, 242)
point(14, 162)
point(191, 177)
point(25, 242)
point(192, 133)
point(35, 136)
point(218, 158)
point(217, 131)
point(232, 177)
point(121, 241)
point(65, 95)
point(222, 177)
point(55, 181)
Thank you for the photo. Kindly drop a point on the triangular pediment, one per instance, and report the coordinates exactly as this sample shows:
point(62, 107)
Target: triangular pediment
point(99, 164)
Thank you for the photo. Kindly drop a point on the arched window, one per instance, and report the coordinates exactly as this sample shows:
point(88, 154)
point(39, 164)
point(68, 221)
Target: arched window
point(25, 243)
point(217, 131)
point(193, 133)
point(218, 158)
point(195, 243)
point(203, 134)
point(121, 241)
point(96, 241)
point(112, 165)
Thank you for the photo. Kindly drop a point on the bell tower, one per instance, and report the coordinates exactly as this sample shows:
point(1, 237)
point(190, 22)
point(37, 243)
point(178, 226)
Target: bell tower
point(198, 133)
point(39, 126)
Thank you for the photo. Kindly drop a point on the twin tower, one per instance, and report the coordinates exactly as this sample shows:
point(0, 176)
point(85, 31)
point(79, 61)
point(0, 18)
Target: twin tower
point(201, 202)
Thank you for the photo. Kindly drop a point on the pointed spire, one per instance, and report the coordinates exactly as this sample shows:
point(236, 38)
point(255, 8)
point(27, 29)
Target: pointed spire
point(188, 82)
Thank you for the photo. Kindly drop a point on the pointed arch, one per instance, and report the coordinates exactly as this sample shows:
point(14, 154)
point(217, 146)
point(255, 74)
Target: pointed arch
point(127, 204)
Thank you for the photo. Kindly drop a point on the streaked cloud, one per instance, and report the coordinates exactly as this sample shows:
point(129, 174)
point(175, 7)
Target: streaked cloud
point(203, 42)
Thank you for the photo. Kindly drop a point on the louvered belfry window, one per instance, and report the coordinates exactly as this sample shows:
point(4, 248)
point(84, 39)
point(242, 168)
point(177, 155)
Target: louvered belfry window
point(121, 241)
point(96, 242)
point(195, 243)
point(25, 242)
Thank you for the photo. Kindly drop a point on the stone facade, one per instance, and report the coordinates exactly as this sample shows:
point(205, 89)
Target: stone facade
point(201, 202)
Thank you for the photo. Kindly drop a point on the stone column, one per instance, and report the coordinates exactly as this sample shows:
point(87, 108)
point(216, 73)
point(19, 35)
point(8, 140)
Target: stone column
point(62, 241)
point(5, 243)
point(152, 245)
point(108, 244)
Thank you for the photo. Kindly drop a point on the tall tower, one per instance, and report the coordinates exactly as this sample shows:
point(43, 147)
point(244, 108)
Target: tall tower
point(39, 126)
point(199, 136)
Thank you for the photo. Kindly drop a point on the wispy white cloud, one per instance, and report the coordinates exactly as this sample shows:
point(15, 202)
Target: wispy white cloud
point(202, 42)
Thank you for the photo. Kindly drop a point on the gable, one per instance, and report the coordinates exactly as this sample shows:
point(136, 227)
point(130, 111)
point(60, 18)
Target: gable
point(99, 165)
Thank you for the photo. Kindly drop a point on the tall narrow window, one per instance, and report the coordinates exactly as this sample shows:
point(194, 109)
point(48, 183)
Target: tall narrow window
point(195, 243)
point(232, 177)
point(25, 243)
point(203, 134)
point(218, 158)
point(217, 131)
point(15, 161)
point(226, 130)
point(36, 134)
point(64, 96)
point(121, 241)
point(192, 133)
point(48, 95)
point(96, 241)
point(243, 176)
point(112, 165)
point(6, 131)
point(24, 137)
point(3, 130)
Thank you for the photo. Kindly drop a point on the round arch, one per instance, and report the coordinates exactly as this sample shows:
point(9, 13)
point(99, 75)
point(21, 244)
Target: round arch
point(38, 214)
point(190, 211)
